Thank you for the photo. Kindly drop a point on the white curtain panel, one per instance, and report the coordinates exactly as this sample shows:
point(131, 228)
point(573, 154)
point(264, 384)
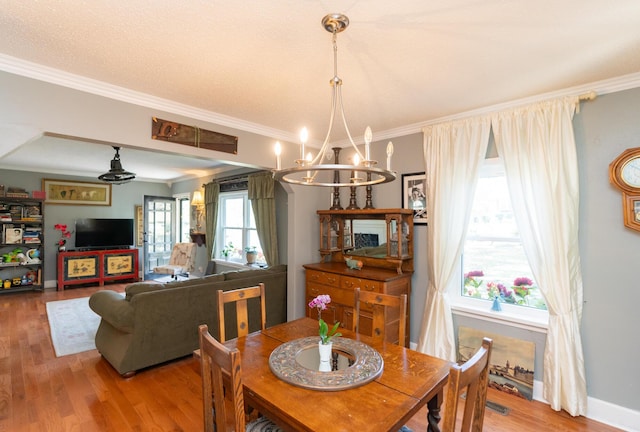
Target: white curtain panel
point(538, 148)
point(453, 153)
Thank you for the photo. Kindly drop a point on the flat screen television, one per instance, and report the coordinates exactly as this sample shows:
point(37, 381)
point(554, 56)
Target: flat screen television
point(104, 233)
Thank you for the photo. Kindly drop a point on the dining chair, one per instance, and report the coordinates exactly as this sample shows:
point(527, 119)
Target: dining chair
point(472, 377)
point(379, 304)
point(222, 390)
point(240, 297)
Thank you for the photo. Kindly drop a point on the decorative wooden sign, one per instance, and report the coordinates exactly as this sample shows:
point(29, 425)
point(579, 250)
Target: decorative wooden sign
point(193, 136)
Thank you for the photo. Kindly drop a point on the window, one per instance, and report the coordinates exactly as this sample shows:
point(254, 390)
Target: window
point(236, 227)
point(494, 265)
point(184, 219)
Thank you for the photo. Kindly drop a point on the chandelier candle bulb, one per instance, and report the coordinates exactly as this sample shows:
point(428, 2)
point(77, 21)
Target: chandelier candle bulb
point(367, 141)
point(389, 154)
point(304, 136)
point(309, 158)
point(277, 149)
point(356, 162)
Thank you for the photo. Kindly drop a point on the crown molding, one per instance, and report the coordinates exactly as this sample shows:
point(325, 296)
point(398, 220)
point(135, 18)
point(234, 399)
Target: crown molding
point(603, 87)
point(600, 88)
point(77, 82)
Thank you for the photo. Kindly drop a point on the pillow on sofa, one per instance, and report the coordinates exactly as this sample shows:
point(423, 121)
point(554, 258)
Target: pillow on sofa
point(140, 287)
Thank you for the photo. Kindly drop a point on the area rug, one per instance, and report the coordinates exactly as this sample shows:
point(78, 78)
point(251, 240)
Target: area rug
point(73, 326)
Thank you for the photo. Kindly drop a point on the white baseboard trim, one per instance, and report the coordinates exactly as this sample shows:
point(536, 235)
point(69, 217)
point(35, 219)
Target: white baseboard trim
point(602, 411)
point(613, 415)
point(598, 410)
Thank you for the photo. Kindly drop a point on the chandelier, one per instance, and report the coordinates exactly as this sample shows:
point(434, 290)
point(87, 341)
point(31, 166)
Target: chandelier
point(311, 171)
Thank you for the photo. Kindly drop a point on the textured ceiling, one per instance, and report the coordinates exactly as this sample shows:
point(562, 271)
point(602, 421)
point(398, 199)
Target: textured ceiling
point(268, 63)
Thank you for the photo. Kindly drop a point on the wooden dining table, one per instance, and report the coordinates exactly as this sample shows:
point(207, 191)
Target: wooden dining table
point(409, 381)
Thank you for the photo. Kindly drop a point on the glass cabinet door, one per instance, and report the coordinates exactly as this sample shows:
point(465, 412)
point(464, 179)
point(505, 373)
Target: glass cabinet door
point(328, 234)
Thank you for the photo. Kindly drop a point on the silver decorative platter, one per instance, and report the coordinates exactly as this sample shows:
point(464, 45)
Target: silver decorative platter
point(353, 364)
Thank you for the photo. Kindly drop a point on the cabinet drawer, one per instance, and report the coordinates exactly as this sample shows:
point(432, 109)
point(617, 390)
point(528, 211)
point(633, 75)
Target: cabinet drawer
point(323, 278)
point(337, 295)
point(364, 284)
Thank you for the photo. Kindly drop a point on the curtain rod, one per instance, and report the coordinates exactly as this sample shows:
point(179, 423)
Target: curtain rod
point(232, 179)
point(228, 179)
point(588, 96)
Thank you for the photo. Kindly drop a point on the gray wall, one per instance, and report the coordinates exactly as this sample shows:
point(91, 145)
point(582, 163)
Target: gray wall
point(604, 128)
point(124, 198)
point(610, 252)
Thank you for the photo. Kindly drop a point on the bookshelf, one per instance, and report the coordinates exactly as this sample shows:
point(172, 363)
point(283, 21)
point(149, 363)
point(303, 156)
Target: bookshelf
point(21, 244)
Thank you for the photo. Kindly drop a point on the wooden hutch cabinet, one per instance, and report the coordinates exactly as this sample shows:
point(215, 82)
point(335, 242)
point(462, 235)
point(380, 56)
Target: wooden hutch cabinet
point(383, 240)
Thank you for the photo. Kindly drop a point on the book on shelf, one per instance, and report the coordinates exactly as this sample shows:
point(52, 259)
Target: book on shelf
point(32, 211)
point(31, 235)
point(6, 227)
point(16, 211)
point(15, 192)
point(13, 235)
point(32, 219)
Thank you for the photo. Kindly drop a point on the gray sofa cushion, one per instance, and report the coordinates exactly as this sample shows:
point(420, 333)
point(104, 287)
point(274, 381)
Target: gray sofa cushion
point(140, 287)
point(242, 274)
point(195, 281)
point(155, 323)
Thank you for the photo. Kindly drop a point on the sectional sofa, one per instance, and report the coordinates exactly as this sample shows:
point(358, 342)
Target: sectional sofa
point(154, 322)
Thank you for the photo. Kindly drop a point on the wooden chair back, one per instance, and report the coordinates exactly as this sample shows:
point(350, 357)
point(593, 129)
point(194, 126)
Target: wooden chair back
point(223, 398)
point(379, 303)
point(240, 297)
point(472, 377)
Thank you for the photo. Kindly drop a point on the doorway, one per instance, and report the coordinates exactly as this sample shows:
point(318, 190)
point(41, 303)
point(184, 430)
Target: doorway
point(159, 232)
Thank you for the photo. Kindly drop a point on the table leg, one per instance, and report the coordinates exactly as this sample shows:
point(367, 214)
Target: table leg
point(433, 416)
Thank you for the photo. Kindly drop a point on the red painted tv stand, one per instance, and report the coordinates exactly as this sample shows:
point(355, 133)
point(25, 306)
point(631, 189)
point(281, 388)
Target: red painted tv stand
point(83, 267)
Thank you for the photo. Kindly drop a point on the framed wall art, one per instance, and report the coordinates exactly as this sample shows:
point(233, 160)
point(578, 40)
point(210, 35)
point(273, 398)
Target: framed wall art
point(414, 196)
point(76, 193)
point(139, 225)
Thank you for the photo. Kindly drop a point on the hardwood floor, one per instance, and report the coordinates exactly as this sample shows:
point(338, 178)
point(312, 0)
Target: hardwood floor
point(81, 392)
